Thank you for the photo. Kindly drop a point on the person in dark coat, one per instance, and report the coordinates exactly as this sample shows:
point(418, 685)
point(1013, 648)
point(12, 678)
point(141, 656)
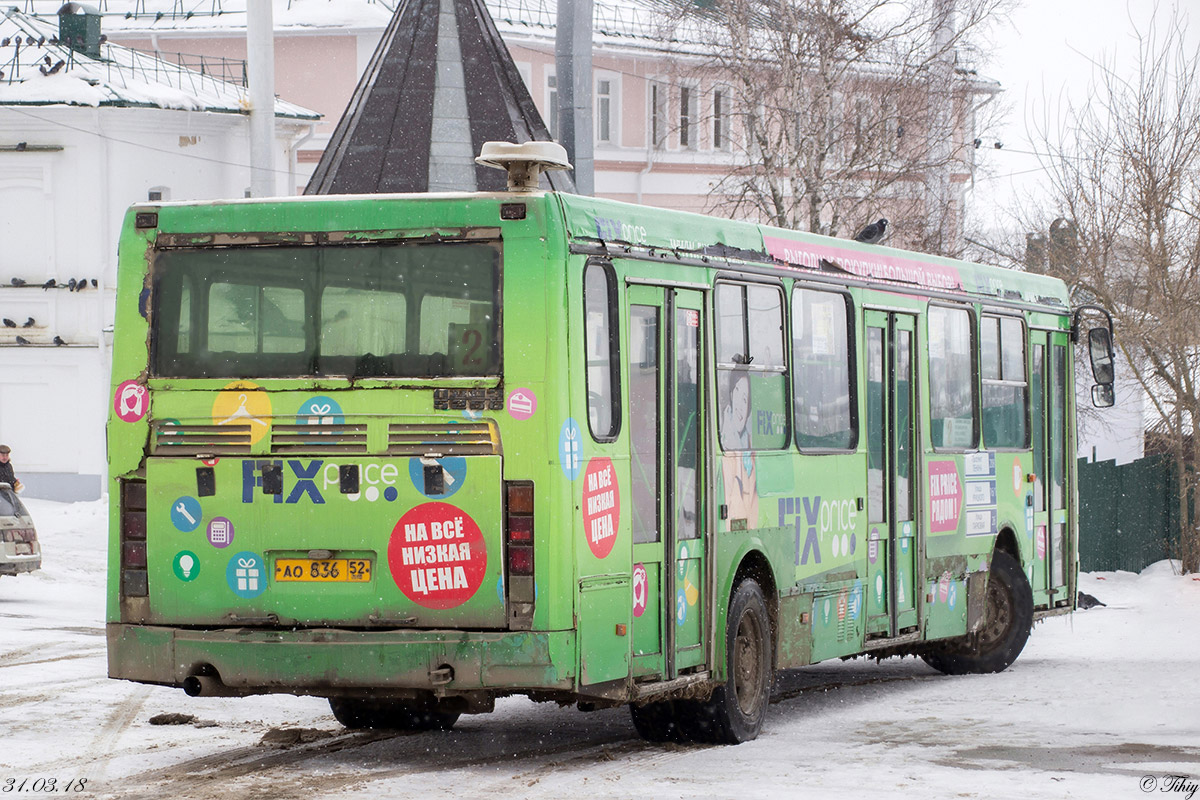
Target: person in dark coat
point(6, 469)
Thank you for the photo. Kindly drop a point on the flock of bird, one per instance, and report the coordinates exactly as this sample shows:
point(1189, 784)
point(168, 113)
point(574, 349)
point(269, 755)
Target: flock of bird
point(72, 285)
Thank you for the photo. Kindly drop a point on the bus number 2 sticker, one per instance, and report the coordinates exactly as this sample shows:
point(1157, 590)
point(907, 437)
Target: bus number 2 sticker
point(601, 506)
point(437, 555)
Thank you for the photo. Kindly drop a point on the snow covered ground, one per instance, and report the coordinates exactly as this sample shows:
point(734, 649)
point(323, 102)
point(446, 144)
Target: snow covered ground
point(1100, 705)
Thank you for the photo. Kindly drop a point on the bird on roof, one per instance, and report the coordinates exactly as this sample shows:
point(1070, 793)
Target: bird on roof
point(8, 323)
point(71, 285)
point(59, 341)
point(22, 340)
point(873, 233)
point(81, 284)
point(28, 323)
point(50, 284)
point(18, 281)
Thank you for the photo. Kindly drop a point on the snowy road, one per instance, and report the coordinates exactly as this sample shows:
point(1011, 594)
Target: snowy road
point(1102, 705)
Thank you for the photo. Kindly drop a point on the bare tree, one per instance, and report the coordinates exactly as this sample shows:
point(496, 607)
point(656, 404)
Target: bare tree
point(848, 110)
point(1124, 167)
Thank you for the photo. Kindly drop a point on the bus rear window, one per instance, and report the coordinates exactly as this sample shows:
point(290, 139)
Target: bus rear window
point(378, 310)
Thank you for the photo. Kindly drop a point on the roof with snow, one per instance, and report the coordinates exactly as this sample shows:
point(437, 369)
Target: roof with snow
point(37, 69)
point(615, 21)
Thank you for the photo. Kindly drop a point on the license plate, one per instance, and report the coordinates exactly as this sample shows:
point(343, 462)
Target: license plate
point(328, 570)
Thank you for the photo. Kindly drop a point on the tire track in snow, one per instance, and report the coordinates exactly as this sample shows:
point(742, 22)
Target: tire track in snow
point(102, 750)
point(360, 759)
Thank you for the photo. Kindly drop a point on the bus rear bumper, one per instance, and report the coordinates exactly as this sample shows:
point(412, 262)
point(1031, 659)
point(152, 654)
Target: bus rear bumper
point(329, 662)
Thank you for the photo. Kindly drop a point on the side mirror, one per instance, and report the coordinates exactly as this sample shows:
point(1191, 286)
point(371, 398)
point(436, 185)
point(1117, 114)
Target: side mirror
point(1103, 395)
point(1101, 353)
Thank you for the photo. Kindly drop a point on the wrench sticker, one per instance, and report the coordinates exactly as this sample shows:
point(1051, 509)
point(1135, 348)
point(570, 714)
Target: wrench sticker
point(186, 514)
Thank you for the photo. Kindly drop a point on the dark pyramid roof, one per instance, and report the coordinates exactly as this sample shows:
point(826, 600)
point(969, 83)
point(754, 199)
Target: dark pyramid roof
point(440, 84)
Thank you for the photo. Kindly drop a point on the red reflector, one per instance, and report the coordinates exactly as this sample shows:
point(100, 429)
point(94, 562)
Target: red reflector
point(134, 554)
point(520, 498)
point(520, 560)
point(133, 525)
point(520, 529)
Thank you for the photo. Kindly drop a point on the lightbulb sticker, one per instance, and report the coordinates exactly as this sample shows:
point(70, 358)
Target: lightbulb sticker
point(186, 566)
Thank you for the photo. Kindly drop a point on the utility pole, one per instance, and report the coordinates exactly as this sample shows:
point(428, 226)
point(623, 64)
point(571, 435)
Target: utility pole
point(941, 99)
point(573, 72)
point(260, 51)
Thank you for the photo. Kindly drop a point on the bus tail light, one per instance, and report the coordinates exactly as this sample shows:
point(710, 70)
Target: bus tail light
point(134, 582)
point(518, 536)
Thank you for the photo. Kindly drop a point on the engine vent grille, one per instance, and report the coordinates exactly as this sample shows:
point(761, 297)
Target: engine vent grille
point(444, 438)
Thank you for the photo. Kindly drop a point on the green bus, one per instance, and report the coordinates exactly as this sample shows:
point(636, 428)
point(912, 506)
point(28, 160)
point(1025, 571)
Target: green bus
point(416, 452)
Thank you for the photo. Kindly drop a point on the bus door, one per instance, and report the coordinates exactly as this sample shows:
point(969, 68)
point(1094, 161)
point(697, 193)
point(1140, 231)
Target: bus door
point(666, 436)
point(1051, 551)
point(891, 436)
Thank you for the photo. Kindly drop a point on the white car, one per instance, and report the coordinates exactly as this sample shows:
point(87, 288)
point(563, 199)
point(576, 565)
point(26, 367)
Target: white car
point(19, 549)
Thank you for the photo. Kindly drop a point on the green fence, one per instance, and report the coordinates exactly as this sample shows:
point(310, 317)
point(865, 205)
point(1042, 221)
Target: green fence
point(1128, 514)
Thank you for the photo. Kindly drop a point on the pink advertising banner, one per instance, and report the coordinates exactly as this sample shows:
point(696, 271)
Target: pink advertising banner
point(879, 266)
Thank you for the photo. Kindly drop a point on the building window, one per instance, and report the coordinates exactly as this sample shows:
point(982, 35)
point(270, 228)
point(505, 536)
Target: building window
point(687, 116)
point(720, 129)
point(658, 114)
point(604, 110)
point(552, 104)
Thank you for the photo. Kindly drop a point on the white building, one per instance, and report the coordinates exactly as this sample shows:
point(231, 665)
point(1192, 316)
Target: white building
point(81, 138)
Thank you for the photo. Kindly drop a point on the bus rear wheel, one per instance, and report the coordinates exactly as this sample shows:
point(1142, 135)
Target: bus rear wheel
point(402, 715)
point(1008, 619)
point(736, 710)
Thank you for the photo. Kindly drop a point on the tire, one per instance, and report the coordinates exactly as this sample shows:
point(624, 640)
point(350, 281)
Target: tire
point(1007, 622)
point(736, 710)
point(403, 715)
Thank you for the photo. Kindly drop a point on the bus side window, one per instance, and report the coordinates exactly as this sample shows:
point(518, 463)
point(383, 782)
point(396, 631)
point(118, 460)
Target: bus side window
point(952, 396)
point(822, 366)
point(1005, 387)
point(751, 367)
point(600, 338)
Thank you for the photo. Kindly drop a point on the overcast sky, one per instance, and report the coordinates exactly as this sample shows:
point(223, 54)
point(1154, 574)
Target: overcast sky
point(1044, 56)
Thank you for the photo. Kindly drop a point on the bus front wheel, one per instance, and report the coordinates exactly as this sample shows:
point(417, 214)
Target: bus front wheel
point(1008, 619)
point(403, 715)
point(736, 710)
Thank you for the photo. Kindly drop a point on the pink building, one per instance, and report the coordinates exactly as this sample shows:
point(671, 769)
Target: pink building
point(664, 132)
